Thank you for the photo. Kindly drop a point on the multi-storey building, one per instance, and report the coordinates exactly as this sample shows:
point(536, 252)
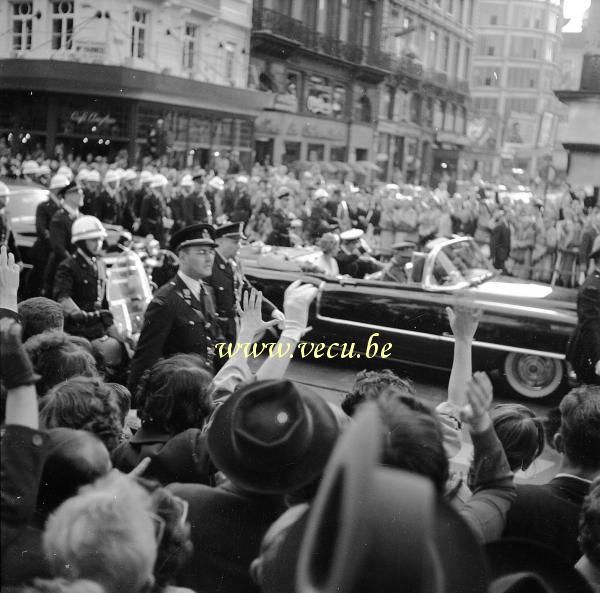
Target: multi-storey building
point(322, 63)
point(423, 106)
point(95, 76)
point(516, 64)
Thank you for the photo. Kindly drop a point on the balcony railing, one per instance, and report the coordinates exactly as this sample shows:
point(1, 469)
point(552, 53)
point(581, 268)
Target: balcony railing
point(280, 24)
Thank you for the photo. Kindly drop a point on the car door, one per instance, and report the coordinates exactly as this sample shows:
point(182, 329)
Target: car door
point(363, 312)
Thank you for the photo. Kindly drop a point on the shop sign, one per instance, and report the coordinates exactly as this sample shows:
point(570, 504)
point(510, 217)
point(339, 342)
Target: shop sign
point(265, 125)
point(91, 118)
point(310, 130)
point(451, 138)
point(92, 51)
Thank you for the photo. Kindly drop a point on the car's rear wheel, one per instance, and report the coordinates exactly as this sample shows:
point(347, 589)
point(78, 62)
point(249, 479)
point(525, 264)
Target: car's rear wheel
point(534, 377)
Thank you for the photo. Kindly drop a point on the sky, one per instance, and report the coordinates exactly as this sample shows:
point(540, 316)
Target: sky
point(574, 10)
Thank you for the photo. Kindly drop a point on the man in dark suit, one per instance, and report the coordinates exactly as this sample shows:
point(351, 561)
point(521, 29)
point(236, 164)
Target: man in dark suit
point(60, 231)
point(228, 280)
point(196, 207)
point(549, 513)
point(182, 316)
point(269, 438)
point(500, 241)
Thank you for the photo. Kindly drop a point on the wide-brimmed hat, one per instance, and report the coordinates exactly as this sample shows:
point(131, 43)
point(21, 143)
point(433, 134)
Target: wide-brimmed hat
point(519, 566)
point(194, 235)
point(272, 436)
point(373, 528)
point(235, 230)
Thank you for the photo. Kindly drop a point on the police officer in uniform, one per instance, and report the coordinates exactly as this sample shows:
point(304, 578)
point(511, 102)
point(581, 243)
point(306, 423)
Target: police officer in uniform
point(228, 280)
point(181, 318)
point(395, 269)
point(584, 346)
point(80, 282)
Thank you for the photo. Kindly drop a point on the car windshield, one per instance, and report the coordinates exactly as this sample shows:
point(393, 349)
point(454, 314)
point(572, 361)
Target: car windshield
point(461, 262)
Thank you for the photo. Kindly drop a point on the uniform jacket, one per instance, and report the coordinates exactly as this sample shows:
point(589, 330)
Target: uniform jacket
point(584, 348)
point(79, 279)
point(108, 209)
point(174, 458)
point(195, 208)
point(60, 234)
point(41, 249)
point(500, 244)
point(549, 514)
point(175, 322)
point(228, 285)
point(227, 527)
point(151, 214)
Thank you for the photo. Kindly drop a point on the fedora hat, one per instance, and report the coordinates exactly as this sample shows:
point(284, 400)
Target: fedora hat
point(373, 528)
point(524, 566)
point(272, 436)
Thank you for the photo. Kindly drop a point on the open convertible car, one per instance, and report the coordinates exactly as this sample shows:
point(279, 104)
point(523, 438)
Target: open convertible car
point(523, 332)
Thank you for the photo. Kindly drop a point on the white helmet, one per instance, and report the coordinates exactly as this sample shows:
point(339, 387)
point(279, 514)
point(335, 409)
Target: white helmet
point(120, 172)
point(87, 227)
point(321, 193)
point(129, 175)
point(59, 181)
point(44, 170)
point(82, 175)
point(146, 176)
point(93, 175)
point(216, 183)
point(4, 191)
point(186, 181)
point(111, 176)
point(30, 168)
point(159, 180)
point(66, 171)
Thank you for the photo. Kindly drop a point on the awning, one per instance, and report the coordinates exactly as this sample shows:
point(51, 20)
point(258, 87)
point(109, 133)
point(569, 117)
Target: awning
point(117, 81)
point(584, 168)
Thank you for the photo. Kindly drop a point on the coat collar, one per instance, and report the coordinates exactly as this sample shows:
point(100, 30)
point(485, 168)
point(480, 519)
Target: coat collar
point(223, 264)
point(146, 435)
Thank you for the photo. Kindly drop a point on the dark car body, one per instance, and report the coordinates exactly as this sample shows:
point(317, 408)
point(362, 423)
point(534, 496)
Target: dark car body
point(523, 331)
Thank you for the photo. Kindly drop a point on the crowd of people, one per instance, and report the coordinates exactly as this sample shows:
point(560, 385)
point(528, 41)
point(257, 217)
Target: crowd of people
point(543, 241)
point(186, 470)
point(242, 480)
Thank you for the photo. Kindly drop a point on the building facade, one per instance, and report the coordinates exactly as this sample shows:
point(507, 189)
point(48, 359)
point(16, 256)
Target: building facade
point(423, 104)
point(516, 64)
point(83, 77)
point(322, 64)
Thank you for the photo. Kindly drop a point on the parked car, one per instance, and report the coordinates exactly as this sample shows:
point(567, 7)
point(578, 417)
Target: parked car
point(523, 331)
point(22, 204)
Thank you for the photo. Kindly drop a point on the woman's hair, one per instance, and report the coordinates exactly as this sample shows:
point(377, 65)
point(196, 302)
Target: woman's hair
point(368, 385)
point(589, 525)
point(123, 399)
point(520, 432)
point(412, 437)
point(328, 242)
point(175, 547)
point(175, 394)
point(56, 358)
point(105, 534)
point(83, 403)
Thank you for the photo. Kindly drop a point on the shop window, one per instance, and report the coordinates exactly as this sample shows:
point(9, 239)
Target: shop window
point(62, 24)
point(139, 33)
point(291, 154)
point(230, 62)
point(190, 46)
point(361, 154)
point(324, 98)
point(337, 153)
point(316, 152)
point(22, 25)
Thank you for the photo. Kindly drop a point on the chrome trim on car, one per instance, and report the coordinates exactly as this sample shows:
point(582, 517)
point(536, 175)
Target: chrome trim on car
point(437, 338)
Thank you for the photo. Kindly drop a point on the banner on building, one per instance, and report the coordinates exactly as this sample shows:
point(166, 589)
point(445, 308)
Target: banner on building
point(521, 129)
point(547, 129)
point(482, 131)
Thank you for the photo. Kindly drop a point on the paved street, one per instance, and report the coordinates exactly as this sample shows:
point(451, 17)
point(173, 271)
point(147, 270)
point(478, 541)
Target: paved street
point(334, 380)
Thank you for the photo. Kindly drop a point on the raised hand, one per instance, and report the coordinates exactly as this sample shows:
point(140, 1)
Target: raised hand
point(9, 279)
point(296, 304)
point(480, 394)
point(464, 321)
point(251, 325)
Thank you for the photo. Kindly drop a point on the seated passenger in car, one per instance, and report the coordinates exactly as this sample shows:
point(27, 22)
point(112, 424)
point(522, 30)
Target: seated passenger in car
point(395, 270)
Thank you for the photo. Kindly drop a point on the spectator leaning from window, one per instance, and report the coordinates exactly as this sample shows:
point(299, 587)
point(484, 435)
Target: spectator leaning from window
point(174, 405)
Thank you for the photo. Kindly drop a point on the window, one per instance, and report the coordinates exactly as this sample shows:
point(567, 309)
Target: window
point(456, 58)
point(230, 61)
point(138, 33)
point(494, 20)
point(467, 61)
point(367, 29)
point(362, 109)
point(486, 76)
point(485, 104)
point(386, 107)
point(492, 14)
point(315, 152)
point(490, 45)
point(450, 117)
point(521, 105)
point(62, 24)
point(433, 48)
point(416, 102)
point(450, 6)
point(550, 51)
point(529, 17)
point(461, 118)
point(22, 23)
point(523, 78)
point(344, 19)
point(553, 23)
point(525, 47)
point(190, 46)
point(438, 115)
point(446, 54)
